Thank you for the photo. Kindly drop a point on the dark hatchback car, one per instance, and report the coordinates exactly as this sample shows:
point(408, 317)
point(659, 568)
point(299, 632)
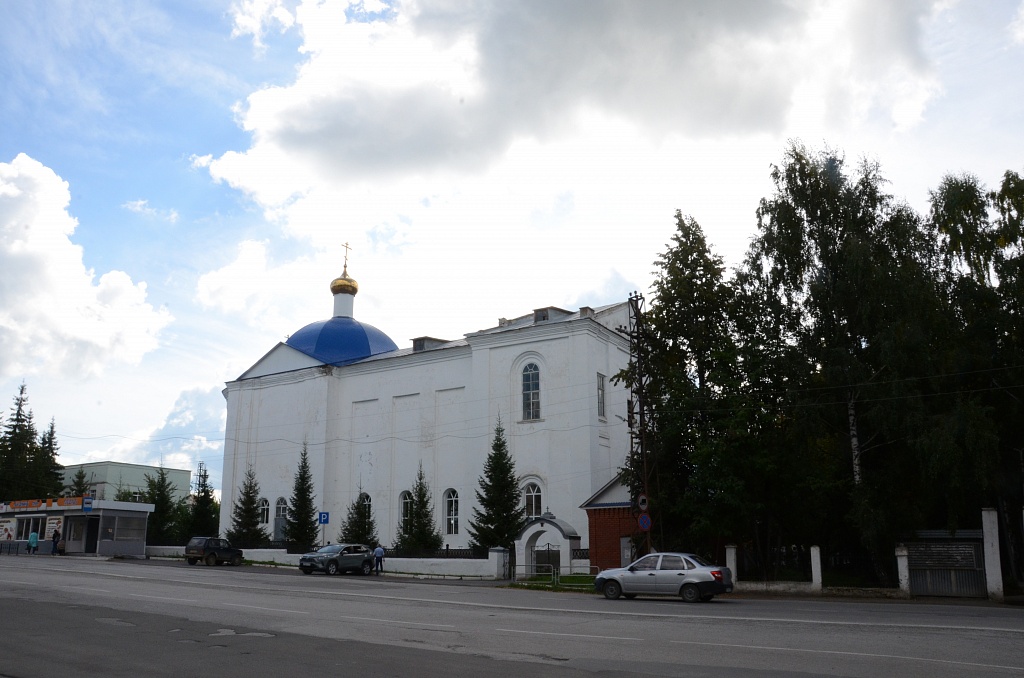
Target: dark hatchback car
point(336, 558)
point(212, 551)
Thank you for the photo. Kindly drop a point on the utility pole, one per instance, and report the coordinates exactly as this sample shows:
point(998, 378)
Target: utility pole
point(638, 407)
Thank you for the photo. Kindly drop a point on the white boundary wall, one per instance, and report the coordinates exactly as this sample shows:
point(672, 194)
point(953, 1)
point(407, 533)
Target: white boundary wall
point(477, 568)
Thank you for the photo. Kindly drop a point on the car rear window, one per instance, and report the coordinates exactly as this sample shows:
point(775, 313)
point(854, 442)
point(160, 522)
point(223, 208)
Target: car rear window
point(196, 542)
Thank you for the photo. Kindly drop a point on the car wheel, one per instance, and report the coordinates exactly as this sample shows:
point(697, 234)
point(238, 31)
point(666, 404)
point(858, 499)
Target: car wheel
point(332, 567)
point(192, 561)
point(629, 596)
point(306, 570)
point(211, 560)
point(236, 560)
point(690, 593)
point(612, 590)
point(367, 569)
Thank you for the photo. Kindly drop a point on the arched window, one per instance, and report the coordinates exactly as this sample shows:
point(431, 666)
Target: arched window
point(406, 500)
point(531, 392)
point(531, 495)
point(264, 511)
point(451, 512)
point(281, 510)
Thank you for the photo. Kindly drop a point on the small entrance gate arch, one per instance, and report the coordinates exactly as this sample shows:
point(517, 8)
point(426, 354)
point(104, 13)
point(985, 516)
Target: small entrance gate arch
point(560, 536)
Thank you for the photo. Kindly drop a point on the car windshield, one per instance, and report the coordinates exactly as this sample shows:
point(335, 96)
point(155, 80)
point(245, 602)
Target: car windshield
point(330, 548)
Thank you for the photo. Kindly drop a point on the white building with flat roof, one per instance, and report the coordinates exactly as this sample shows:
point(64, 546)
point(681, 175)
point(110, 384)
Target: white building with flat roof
point(106, 478)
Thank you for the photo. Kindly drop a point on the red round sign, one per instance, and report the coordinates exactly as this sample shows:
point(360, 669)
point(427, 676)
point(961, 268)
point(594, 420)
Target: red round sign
point(644, 521)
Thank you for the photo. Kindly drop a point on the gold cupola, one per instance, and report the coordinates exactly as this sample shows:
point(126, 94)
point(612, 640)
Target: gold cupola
point(344, 284)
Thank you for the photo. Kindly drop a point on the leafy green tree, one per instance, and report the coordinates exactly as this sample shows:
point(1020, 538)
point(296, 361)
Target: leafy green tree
point(501, 515)
point(79, 484)
point(418, 533)
point(161, 528)
point(246, 529)
point(203, 508)
point(359, 526)
point(854, 265)
point(903, 328)
point(300, 526)
point(981, 242)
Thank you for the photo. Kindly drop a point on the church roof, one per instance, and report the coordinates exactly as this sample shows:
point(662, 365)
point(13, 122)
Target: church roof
point(340, 341)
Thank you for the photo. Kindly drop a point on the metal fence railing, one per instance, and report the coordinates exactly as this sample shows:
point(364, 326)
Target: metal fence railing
point(10, 548)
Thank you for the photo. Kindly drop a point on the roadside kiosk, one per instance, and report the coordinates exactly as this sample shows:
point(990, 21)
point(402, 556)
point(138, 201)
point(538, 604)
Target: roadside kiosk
point(88, 526)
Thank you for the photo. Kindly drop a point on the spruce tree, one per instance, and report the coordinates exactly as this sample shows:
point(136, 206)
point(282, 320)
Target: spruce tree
point(419, 534)
point(79, 486)
point(301, 527)
point(501, 515)
point(204, 510)
point(46, 470)
point(161, 529)
point(359, 526)
point(18, 445)
point(246, 531)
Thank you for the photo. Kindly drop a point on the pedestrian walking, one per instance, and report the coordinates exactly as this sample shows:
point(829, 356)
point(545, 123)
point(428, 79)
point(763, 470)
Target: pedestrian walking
point(33, 542)
point(378, 559)
point(55, 538)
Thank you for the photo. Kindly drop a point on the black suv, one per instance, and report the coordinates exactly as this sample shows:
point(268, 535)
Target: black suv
point(335, 558)
point(212, 551)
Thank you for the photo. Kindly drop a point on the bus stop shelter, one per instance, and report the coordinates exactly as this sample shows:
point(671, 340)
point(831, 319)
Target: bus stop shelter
point(88, 526)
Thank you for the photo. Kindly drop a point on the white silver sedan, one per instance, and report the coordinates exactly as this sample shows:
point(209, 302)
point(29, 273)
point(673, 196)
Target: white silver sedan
point(666, 574)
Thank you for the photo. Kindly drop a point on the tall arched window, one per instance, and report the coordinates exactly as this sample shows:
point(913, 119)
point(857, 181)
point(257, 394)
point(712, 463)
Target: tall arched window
point(367, 502)
point(451, 512)
point(406, 499)
point(531, 495)
point(264, 511)
point(281, 510)
point(531, 392)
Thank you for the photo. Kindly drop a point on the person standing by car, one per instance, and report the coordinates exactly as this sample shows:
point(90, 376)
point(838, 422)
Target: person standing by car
point(33, 542)
point(378, 559)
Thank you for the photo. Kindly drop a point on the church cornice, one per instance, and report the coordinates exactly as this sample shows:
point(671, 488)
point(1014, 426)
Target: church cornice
point(544, 331)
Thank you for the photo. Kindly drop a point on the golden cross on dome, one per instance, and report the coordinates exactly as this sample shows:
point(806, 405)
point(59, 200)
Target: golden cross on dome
point(347, 248)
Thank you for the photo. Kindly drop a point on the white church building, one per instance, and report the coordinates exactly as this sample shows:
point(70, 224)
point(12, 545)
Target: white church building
point(370, 414)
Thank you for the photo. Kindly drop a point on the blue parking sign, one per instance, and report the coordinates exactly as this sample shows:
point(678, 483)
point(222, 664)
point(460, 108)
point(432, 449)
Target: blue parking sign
point(325, 517)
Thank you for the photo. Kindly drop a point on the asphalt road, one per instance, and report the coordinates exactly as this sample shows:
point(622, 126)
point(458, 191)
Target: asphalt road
point(90, 617)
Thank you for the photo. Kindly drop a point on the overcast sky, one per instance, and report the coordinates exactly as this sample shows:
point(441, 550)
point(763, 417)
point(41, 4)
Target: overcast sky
point(177, 178)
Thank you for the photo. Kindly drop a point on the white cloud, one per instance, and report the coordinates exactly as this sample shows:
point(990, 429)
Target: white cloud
point(1017, 25)
point(142, 207)
point(54, 313)
point(268, 294)
point(256, 17)
point(450, 88)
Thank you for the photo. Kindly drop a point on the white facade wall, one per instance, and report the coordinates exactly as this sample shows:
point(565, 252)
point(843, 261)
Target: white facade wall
point(368, 426)
point(105, 478)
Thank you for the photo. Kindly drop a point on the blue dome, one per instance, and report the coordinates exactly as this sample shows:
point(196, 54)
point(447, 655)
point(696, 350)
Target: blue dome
point(340, 341)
